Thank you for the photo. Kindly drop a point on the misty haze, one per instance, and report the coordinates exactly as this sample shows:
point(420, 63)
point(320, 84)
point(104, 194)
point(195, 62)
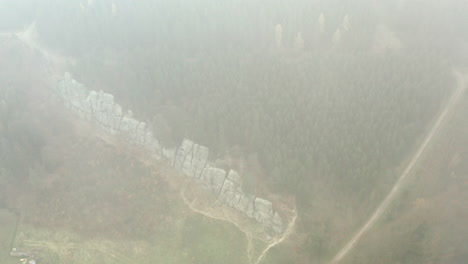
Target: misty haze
point(233, 131)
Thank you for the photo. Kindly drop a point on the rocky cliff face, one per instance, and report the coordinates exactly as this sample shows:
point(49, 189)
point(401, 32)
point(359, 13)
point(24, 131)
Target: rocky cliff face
point(190, 158)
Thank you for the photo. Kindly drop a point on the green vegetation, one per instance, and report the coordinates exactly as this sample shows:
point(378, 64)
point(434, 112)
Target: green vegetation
point(321, 101)
point(7, 233)
point(199, 240)
point(206, 241)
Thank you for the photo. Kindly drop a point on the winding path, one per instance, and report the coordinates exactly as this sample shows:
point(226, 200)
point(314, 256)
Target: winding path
point(454, 99)
point(249, 235)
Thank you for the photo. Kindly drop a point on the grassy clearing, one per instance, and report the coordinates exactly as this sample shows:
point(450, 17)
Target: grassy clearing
point(208, 241)
point(7, 229)
point(258, 247)
point(196, 239)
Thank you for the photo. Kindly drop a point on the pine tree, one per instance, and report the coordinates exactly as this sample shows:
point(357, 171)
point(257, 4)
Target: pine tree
point(321, 23)
point(299, 41)
point(279, 35)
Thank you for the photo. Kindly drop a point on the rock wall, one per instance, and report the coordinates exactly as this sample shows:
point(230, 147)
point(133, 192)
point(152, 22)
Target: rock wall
point(190, 158)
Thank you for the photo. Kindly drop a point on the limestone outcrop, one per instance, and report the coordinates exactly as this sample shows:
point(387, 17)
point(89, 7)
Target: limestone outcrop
point(189, 158)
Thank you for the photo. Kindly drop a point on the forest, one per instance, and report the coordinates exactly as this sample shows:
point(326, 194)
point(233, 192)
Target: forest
point(323, 101)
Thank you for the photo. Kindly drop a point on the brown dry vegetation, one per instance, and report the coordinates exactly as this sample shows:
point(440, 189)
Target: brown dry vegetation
point(72, 181)
point(67, 176)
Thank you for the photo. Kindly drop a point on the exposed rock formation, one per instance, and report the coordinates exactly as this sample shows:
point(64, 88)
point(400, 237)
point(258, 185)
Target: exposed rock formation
point(190, 158)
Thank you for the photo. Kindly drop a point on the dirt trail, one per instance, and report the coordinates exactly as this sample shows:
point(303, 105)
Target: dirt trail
point(454, 99)
point(248, 234)
point(289, 230)
point(56, 63)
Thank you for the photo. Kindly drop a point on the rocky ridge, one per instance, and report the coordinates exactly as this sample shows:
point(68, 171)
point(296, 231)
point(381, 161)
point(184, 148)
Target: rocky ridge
point(190, 158)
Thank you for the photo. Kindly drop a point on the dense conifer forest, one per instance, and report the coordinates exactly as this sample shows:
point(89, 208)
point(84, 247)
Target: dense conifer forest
point(322, 101)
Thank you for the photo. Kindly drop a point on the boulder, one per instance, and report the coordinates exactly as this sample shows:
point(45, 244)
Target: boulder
point(183, 152)
point(128, 127)
point(246, 205)
point(169, 153)
point(198, 162)
point(277, 224)
point(152, 144)
point(213, 178)
point(231, 192)
point(263, 210)
point(140, 134)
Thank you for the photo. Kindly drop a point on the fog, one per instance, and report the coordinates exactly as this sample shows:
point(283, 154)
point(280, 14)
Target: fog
point(233, 131)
